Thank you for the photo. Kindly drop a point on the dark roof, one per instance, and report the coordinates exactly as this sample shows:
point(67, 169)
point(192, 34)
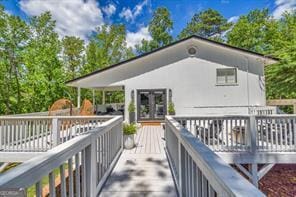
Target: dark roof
point(169, 45)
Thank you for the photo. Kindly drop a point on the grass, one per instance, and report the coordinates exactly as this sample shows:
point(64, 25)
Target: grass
point(31, 191)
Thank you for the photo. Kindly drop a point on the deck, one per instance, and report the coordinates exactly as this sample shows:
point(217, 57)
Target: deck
point(195, 155)
point(144, 170)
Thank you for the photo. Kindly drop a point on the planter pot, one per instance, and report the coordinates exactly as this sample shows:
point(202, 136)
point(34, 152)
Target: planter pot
point(172, 113)
point(129, 141)
point(132, 116)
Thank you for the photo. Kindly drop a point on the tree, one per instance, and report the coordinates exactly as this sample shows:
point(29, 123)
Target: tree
point(44, 82)
point(281, 78)
point(107, 47)
point(73, 48)
point(159, 29)
point(13, 36)
point(208, 24)
point(254, 31)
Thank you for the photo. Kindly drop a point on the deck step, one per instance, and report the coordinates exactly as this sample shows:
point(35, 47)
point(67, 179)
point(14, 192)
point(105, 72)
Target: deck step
point(150, 123)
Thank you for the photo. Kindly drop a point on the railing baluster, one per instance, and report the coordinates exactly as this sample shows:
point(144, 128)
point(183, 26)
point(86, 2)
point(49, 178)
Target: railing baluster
point(70, 177)
point(63, 181)
point(77, 175)
point(83, 173)
point(51, 182)
point(38, 187)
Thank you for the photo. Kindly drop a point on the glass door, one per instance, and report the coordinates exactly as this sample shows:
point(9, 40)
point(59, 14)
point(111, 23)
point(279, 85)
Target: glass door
point(144, 102)
point(158, 102)
point(151, 105)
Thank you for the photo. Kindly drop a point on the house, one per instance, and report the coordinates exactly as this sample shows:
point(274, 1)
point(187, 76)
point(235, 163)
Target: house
point(198, 75)
point(193, 156)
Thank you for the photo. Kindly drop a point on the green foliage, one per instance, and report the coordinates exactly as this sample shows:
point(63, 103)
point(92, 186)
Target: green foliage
point(106, 48)
point(253, 31)
point(171, 108)
point(45, 76)
point(73, 48)
point(159, 29)
point(209, 24)
point(258, 31)
point(281, 78)
point(129, 129)
point(35, 62)
point(13, 36)
point(131, 107)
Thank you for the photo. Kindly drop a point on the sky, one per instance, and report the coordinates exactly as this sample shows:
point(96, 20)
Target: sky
point(82, 17)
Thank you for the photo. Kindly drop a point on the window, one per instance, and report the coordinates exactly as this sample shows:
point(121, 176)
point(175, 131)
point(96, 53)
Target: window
point(226, 76)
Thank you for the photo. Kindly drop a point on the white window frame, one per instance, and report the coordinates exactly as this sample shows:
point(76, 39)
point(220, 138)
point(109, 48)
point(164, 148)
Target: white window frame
point(226, 83)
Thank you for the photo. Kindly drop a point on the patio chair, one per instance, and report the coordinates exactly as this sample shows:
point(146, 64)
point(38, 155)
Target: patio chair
point(210, 134)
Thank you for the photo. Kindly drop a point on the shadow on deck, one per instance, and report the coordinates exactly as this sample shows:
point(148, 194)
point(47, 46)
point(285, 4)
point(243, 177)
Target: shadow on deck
point(143, 170)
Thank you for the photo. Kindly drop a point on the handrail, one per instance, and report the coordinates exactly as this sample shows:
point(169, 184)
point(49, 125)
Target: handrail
point(45, 113)
point(94, 152)
point(223, 180)
point(41, 133)
point(244, 133)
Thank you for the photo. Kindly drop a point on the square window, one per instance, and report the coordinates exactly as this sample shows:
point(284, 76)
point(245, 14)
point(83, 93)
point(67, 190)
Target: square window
point(226, 76)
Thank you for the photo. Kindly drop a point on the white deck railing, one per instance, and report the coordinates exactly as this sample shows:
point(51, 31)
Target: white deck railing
point(61, 112)
point(197, 170)
point(241, 133)
point(41, 133)
point(79, 166)
point(263, 110)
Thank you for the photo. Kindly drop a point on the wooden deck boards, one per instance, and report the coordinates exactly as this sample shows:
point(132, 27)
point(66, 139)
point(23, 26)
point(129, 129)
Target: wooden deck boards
point(144, 170)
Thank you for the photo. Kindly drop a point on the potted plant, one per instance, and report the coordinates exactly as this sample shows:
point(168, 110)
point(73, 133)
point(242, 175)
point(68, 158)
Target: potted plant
point(131, 110)
point(129, 131)
point(171, 108)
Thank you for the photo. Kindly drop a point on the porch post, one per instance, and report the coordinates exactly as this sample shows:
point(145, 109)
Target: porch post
point(78, 97)
point(103, 97)
point(93, 99)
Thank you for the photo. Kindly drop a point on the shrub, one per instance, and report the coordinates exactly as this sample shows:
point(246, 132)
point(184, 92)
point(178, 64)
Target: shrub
point(131, 107)
point(171, 108)
point(129, 129)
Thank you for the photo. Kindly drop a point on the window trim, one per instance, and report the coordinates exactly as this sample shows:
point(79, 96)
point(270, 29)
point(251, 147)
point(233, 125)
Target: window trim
point(227, 84)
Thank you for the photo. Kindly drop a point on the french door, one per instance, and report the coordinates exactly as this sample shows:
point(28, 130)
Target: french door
point(151, 104)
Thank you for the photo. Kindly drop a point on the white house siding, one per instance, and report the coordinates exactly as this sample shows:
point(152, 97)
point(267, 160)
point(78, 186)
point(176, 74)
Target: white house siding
point(194, 90)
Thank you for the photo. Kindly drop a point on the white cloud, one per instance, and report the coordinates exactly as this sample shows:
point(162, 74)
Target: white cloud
point(109, 9)
point(129, 14)
point(283, 6)
point(233, 19)
point(133, 38)
point(75, 17)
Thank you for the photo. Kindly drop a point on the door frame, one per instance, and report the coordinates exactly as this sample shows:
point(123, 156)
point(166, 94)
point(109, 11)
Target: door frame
point(151, 119)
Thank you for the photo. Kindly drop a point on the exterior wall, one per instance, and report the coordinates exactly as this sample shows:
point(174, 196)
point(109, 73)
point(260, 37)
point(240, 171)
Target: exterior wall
point(194, 90)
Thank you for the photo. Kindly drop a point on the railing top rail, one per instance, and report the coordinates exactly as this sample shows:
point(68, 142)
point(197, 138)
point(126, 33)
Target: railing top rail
point(44, 113)
point(54, 117)
point(220, 174)
point(178, 117)
point(277, 116)
point(34, 169)
point(233, 116)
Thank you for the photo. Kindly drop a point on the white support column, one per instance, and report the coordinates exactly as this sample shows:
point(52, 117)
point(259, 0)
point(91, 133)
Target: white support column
point(103, 97)
point(255, 178)
point(93, 99)
point(253, 134)
point(78, 97)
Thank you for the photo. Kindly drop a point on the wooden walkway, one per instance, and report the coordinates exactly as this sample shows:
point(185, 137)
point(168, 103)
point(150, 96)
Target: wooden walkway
point(144, 170)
